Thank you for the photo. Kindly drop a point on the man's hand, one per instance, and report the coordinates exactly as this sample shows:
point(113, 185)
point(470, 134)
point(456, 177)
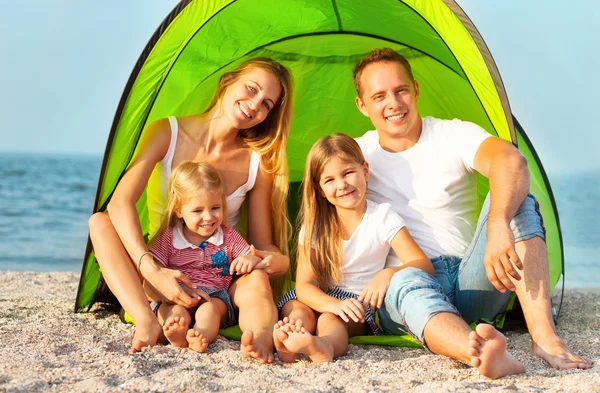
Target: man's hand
point(500, 258)
point(245, 263)
point(374, 293)
point(166, 283)
point(348, 309)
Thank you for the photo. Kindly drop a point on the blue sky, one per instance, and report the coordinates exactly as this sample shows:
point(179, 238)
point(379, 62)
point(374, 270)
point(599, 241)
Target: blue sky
point(65, 64)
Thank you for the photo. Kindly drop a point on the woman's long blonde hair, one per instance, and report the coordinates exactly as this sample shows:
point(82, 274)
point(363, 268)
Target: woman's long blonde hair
point(269, 139)
point(189, 180)
point(321, 235)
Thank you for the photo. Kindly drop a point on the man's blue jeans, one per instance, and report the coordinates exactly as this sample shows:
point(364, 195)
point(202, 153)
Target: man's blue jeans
point(460, 285)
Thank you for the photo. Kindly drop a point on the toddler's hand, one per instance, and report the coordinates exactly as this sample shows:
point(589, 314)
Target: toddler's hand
point(244, 263)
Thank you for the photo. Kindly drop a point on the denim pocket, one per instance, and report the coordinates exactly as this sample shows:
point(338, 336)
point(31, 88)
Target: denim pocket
point(446, 272)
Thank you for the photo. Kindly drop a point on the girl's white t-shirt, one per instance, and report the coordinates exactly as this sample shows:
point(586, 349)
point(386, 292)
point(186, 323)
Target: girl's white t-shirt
point(366, 251)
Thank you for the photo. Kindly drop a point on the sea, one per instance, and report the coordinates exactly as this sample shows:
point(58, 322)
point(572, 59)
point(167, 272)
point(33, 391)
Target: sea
point(46, 200)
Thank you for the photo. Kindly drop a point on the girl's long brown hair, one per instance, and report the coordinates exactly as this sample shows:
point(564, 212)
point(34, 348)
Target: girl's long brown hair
point(321, 243)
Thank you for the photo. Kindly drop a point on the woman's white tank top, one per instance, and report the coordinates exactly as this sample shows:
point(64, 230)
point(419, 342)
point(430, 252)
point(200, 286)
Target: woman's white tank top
point(159, 180)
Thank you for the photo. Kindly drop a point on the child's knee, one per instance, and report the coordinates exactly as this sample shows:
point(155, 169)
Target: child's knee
point(329, 319)
point(215, 306)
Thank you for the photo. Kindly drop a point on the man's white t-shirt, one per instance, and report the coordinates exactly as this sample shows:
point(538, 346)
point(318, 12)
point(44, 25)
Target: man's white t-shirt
point(366, 251)
point(432, 185)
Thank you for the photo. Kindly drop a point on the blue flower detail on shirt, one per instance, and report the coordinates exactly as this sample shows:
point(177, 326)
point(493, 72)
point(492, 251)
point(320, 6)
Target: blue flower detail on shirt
point(219, 259)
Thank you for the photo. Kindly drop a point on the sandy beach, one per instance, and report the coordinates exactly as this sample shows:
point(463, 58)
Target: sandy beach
point(46, 347)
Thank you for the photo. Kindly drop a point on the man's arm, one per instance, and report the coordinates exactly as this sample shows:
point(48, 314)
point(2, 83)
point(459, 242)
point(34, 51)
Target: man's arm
point(508, 175)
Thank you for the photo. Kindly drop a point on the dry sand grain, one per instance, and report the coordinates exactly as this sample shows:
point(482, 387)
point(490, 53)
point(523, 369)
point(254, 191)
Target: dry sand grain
point(45, 347)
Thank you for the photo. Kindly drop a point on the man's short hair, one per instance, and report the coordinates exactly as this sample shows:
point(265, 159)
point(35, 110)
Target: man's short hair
point(376, 56)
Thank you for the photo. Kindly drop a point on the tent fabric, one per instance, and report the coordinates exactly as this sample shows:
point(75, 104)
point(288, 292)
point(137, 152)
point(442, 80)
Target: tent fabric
point(319, 41)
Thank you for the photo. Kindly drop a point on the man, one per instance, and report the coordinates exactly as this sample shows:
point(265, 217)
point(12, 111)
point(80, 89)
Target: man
point(425, 167)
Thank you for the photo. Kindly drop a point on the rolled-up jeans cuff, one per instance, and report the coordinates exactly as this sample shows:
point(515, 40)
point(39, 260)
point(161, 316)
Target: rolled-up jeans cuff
point(417, 317)
point(412, 299)
point(528, 222)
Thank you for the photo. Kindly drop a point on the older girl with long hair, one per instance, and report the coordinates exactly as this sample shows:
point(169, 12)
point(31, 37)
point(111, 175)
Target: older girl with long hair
point(344, 242)
point(243, 133)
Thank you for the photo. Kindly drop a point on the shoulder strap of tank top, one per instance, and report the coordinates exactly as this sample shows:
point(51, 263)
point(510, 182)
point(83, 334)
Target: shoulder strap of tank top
point(168, 159)
point(254, 165)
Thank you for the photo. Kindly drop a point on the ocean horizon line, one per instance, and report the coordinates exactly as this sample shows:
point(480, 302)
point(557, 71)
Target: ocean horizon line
point(52, 154)
point(99, 155)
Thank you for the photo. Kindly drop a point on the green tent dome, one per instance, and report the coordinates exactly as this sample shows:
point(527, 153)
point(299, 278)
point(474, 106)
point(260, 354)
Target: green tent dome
point(319, 41)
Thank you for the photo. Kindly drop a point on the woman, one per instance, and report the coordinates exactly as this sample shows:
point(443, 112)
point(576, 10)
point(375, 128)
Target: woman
point(243, 133)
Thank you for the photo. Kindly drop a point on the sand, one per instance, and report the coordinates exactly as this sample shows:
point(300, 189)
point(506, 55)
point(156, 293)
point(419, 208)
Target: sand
point(45, 347)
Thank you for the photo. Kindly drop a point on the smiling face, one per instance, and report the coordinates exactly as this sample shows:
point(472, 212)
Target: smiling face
point(202, 216)
point(249, 99)
point(389, 98)
point(344, 183)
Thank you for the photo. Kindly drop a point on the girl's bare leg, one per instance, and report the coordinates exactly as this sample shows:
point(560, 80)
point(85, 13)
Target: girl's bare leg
point(295, 314)
point(176, 321)
point(209, 317)
point(251, 293)
point(123, 280)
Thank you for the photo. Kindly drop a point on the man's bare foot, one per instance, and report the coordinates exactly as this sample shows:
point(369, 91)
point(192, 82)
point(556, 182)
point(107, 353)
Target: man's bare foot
point(280, 334)
point(487, 348)
point(196, 340)
point(558, 355)
point(146, 335)
point(297, 340)
point(175, 329)
point(259, 346)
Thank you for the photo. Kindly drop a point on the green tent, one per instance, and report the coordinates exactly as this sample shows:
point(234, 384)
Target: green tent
point(319, 40)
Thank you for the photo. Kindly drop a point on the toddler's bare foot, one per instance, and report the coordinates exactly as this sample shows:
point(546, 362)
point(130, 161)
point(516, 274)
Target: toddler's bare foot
point(280, 334)
point(298, 340)
point(175, 329)
point(558, 354)
point(258, 346)
point(145, 335)
point(196, 340)
point(487, 348)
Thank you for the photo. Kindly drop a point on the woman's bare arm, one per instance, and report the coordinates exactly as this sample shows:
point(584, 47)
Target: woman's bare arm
point(124, 217)
point(260, 222)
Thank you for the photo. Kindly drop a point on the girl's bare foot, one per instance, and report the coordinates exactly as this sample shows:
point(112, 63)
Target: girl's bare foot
point(258, 346)
point(175, 329)
point(487, 348)
point(558, 355)
point(280, 334)
point(145, 335)
point(298, 340)
point(196, 340)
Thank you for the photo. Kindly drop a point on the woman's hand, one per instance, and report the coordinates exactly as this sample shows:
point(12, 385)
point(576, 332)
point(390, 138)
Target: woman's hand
point(374, 293)
point(195, 292)
point(166, 284)
point(349, 309)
